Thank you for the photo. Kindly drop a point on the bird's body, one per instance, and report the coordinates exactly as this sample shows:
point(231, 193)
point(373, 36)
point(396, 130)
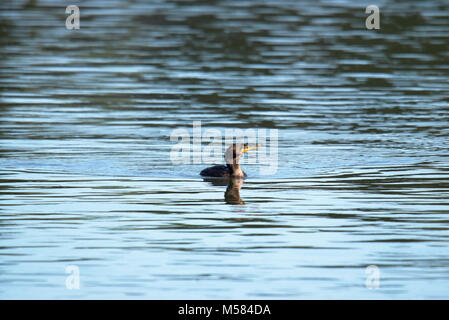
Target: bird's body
point(232, 168)
point(219, 171)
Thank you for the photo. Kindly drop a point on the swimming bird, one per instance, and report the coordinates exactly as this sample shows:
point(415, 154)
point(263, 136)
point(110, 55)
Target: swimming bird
point(232, 168)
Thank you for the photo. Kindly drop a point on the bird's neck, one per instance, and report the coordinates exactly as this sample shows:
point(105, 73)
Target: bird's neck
point(235, 169)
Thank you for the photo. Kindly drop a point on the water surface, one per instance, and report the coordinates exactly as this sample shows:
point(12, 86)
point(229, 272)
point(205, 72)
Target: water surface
point(85, 171)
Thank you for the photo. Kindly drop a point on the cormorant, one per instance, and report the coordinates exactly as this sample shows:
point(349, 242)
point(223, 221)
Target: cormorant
point(232, 168)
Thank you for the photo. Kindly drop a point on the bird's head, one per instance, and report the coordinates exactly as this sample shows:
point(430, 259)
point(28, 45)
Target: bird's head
point(236, 151)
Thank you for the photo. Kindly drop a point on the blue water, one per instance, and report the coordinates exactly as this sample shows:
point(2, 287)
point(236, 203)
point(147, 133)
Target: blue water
point(362, 173)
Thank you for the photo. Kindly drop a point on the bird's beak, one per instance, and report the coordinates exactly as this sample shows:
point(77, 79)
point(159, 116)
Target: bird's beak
point(247, 148)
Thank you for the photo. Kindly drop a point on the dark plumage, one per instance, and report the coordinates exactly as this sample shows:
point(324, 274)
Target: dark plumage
point(219, 171)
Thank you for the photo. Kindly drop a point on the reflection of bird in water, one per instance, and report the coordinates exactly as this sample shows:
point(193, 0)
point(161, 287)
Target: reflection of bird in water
point(232, 194)
point(232, 167)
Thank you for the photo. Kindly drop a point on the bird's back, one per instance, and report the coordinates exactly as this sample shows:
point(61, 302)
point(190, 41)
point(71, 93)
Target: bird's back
point(216, 171)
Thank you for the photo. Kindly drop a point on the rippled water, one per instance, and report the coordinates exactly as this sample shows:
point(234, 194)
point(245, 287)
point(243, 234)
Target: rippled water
point(86, 177)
